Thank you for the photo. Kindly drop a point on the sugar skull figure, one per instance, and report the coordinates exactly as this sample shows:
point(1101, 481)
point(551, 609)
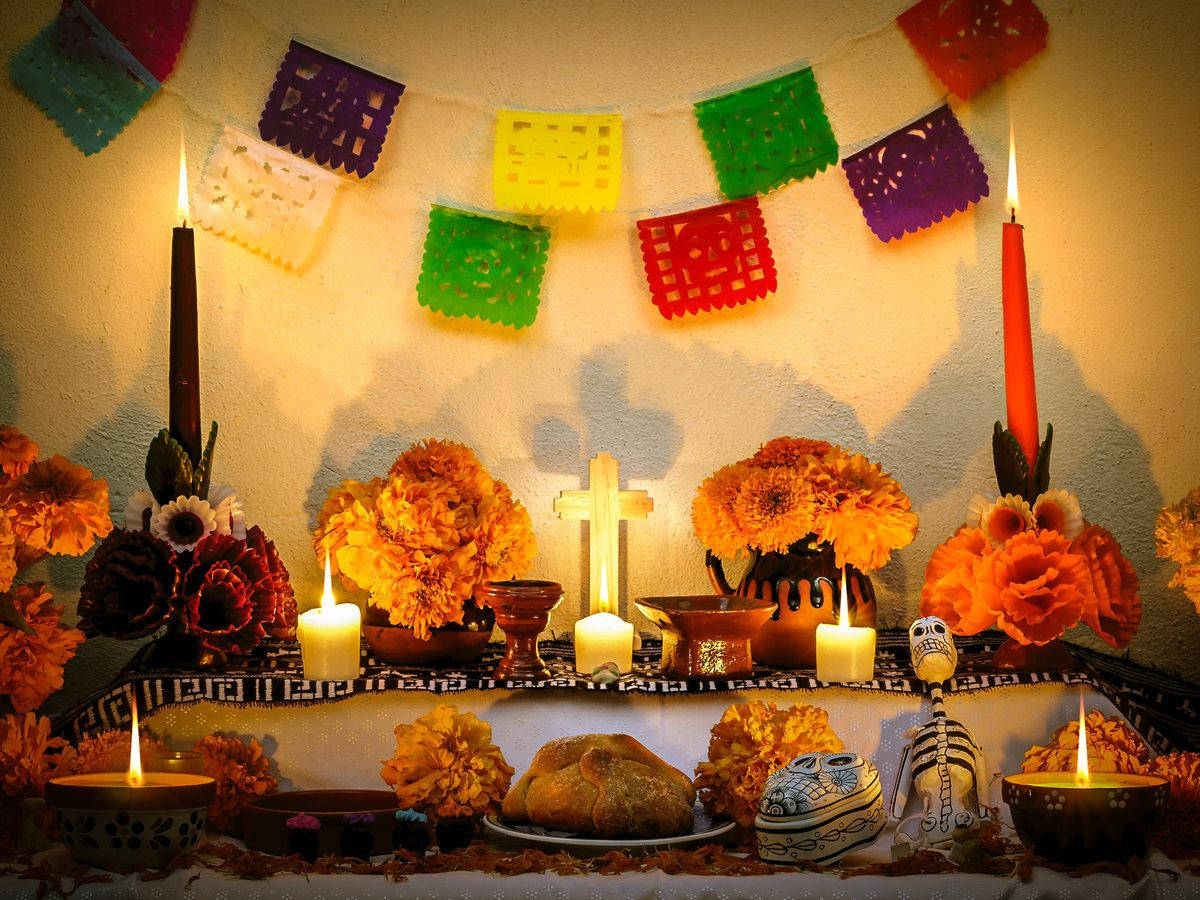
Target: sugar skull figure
point(818, 808)
point(934, 656)
point(943, 761)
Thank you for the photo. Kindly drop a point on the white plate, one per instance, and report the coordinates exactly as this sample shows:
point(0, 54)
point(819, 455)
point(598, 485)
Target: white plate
point(704, 830)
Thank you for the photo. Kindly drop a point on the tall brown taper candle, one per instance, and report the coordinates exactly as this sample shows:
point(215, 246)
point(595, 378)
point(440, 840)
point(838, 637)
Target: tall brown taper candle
point(184, 413)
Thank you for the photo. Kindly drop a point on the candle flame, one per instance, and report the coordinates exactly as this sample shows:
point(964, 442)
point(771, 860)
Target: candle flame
point(134, 778)
point(182, 200)
point(604, 598)
point(1082, 775)
point(844, 612)
point(327, 599)
point(1012, 172)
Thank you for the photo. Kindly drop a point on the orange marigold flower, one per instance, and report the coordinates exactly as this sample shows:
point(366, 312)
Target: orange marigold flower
point(1179, 836)
point(17, 453)
point(751, 741)
point(1177, 530)
point(1114, 607)
point(436, 460)
point(242, 774)
point(29, 757)
point(8, 554)
point(1188, 578)
point(344, 506)
point(108, 751)
point(1036, 586)
point(774, 508)
point(503, 538)
point(712, 511)
point(1112, 747)
point(446, 765)
point(787, 451)
point(57, 507)
point(951, 589)
point(861, 510)
point(31, 665)
point(1005, 517)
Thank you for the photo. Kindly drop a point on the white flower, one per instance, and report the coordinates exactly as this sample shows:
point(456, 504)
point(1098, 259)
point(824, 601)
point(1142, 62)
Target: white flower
point(183, 522)
point(975, 509)
point(1005, 517)
point(231, 518)
point(136, 508)
point(1058, 510)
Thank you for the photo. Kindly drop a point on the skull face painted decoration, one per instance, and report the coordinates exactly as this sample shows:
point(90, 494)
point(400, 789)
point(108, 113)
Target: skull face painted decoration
point(934, 656)
point(818, 808)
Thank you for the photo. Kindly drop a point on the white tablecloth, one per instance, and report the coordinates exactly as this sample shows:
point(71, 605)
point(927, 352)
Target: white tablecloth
point(476, 886)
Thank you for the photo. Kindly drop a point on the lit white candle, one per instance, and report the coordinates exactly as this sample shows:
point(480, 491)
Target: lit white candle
point(845, 653)
point(603, 637)
point(329, 643)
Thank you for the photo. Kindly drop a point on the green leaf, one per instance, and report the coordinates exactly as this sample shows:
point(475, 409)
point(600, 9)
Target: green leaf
point(11, 617)
point(203, 474)
point(1012, 469)
point(1041, 470)
point(168, 469)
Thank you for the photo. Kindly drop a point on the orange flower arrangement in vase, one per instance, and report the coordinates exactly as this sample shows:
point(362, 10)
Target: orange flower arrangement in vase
point(1030, 564)
point(48, 507)
point(421, 542)
point(805, 511)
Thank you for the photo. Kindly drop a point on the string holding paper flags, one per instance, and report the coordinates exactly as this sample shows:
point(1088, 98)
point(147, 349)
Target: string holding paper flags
point(100, 62)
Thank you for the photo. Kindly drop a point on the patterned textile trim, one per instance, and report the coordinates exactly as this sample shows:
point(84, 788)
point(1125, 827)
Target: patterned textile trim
point(1165, 710)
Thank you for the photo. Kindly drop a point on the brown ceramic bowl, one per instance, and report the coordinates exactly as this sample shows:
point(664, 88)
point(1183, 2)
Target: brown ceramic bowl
point(706, 635)
point(1110, 820)
point(265, 828)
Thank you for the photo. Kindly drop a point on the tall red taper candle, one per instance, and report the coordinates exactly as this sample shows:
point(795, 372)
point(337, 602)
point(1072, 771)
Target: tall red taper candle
point(1019, 386)
point(184, 412)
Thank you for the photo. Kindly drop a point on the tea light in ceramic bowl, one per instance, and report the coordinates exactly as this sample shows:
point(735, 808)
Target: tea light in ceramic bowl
point(1076, 817)
point(118, 820)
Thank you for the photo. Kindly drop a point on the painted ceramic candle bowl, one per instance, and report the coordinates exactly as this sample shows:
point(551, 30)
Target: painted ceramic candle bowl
point(706, 635)
point(1110, 818)
point(818, 808)
point(108, 824)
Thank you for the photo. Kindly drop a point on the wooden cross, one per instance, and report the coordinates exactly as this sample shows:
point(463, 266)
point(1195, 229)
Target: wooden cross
point(604, 505)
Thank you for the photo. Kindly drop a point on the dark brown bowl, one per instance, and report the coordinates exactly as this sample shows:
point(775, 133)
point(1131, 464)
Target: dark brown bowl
point(264, 821)
point(1111, 820)
point(706, 635)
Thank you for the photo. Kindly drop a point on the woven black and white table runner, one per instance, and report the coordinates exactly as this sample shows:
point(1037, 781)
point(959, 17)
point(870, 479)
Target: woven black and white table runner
point(1165, 710)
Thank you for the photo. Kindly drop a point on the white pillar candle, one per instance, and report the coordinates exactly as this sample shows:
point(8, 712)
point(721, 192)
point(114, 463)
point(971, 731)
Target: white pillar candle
point(845, 653)
point(603, 637)
point(329, 638)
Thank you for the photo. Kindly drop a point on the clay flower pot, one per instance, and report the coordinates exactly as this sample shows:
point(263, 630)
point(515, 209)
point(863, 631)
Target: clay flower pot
point(805, 582)
point(522, 610)
point(448, 644)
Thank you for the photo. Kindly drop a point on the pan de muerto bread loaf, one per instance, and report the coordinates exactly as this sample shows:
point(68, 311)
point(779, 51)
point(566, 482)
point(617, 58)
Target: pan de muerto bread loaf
point(602, 784)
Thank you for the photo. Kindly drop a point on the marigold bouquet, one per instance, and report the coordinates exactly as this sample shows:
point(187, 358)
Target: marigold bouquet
point(1033, 570)
point(421, 540)
point(797, 488)
point(446, 765)
point(751, 741)
point(1177, 537)
point(186, 563)
point(48, 507)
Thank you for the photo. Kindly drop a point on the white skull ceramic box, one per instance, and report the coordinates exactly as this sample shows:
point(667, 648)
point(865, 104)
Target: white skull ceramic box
point(818, 808)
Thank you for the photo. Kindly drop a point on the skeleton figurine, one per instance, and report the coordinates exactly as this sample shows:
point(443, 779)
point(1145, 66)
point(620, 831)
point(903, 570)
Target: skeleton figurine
point(942, 760)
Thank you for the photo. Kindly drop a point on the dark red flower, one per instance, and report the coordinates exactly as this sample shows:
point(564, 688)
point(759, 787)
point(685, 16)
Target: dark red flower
point(130, 586)
point(228, 594)
point(282, 623)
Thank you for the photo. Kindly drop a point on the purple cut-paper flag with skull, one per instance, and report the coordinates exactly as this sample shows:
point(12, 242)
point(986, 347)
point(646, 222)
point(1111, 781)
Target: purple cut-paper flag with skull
point(917, 175)
point(327, 109)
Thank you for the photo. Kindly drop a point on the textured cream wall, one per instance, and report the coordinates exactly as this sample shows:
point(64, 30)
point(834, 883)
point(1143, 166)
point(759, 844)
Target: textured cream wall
point(894, 350)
